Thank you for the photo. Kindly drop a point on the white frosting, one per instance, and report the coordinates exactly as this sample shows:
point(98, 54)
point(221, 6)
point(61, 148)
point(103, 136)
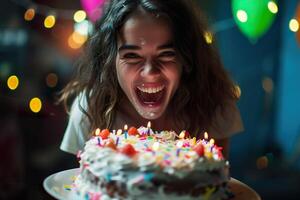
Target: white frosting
point(165, 162)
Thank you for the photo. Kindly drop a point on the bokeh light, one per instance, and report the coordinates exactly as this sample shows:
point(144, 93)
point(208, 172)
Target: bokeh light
point(238, 91)
point(29, 14)
point(13, 82)
point(51, 80)
point(49, 21)
point(76, 40)
point(79, 16)
point(294, 25)
point(208, 37)
point(267, 84)
point(272, 6)
point(242, 15)
point(35, 105)
point(262, 162)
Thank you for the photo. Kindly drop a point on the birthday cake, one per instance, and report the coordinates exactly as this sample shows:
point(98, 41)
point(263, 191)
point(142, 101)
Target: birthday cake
point(141, 164)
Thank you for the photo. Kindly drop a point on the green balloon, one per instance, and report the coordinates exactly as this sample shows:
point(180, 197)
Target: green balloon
point(259, 17)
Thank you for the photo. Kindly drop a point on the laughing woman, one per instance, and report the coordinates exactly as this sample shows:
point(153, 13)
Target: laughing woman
point(148, 60)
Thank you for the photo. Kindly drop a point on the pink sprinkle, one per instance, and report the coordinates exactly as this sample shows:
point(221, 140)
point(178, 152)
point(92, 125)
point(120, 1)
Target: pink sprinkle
point(96, 196)
point(167, 162)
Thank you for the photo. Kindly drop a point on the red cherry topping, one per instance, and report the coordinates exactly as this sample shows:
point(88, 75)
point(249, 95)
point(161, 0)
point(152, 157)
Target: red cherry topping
point(133, 131)
point(111, 144)
point(199, 148)
point(104, 133)
point(128, 150)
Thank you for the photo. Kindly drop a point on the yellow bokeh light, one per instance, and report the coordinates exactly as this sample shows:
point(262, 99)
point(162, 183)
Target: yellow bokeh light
point(51, 80)
point(237, 91)
point(208, 37)
point(13, 82)
point(262, 162)
point(49, 21)
point(267, 84)
point(29, 14)
point(294, 25)
point(79, 16)
point(242, 15)
point(76, 40)
point(272, 6)
point(35, 105)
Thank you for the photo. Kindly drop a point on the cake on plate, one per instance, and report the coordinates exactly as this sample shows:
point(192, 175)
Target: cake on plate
point(142, 164)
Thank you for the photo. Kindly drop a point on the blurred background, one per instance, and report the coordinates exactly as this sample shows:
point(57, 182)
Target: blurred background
point(258, 40)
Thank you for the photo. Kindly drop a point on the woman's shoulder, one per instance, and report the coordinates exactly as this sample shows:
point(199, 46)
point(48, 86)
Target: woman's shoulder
point(79, 107)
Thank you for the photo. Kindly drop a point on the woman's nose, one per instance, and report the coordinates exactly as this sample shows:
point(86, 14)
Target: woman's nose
point(150, 69)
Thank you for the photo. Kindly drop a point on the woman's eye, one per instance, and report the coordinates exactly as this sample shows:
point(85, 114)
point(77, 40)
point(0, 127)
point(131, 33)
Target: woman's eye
point(167, 56)
point(131, 55)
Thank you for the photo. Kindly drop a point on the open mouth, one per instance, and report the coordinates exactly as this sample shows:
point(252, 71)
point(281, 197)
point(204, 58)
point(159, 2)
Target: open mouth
point(151, 96)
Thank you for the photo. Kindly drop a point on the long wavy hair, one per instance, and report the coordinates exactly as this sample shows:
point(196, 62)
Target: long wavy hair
point(204, 86)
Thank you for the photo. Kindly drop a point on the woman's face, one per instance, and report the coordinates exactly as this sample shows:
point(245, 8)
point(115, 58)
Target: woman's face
point(147, 67)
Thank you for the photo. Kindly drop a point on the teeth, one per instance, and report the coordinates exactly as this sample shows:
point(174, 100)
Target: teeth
point(151, 90)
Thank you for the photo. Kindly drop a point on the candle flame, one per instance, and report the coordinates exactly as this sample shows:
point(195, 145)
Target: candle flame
point(206, 135)
point(125, 127)
point(182, 135)
point(149, 125)
point(119, 132)
point(97, 131)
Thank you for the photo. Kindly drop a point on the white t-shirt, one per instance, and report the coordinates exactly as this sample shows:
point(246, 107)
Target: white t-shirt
point(77, 131)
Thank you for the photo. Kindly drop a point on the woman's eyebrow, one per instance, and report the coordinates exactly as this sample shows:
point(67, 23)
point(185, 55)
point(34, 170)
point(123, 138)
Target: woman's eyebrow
point(135, 47)
point(166, 46)
point(129, 47)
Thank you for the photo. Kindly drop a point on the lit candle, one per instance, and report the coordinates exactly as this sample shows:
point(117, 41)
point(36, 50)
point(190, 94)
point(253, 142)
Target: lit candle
point(148, 126)
point(182, 135)
point(205, 135)
point(97, 131)
point(119, 132)
point(125, 131)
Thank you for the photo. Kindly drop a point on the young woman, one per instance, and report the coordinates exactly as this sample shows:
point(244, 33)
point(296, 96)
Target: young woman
point(148, 60)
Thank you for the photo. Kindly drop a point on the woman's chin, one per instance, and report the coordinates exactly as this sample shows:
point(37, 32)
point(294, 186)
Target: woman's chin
point(150, 111)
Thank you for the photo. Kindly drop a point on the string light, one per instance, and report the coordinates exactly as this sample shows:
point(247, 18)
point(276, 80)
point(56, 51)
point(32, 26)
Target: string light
point(51, 80)
point(35, 105)
point(242, 15)
point(272, 6)
point(79, 16)
point(29, 14)
point(49, 21)
point(267, 84)
point(262, 162)
point(294, 25)
point(76, 40)
point(13, 82)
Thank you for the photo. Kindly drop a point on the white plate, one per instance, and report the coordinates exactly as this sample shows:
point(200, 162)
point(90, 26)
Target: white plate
point(57, 185)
